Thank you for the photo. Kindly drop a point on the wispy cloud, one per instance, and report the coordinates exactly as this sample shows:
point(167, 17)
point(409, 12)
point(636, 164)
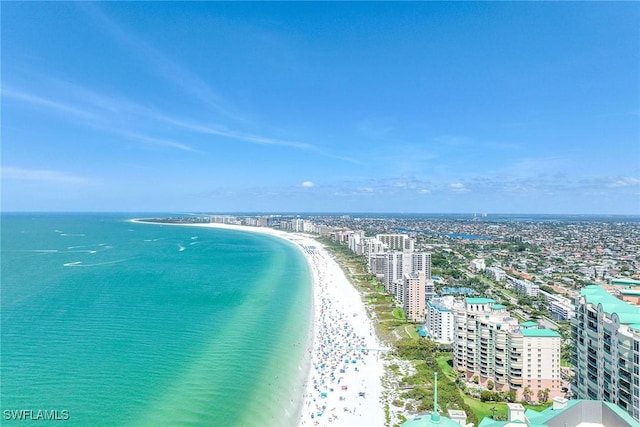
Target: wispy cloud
point(43, 102)
point(159, 142)
point(159, 63)
point(43, 176)
point(102, 111)
point(625, 182)
point(222, 131)
point(307, 184)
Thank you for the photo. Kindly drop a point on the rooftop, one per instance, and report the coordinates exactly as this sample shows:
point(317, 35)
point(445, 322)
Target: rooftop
point(479, 300)
point(627, 312)
point(630, 282)
point(576, 413)
point(539, 333)
point(424, 420)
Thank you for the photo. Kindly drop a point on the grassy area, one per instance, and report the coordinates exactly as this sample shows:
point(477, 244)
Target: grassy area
point(412, 332)
point(538, 408)
point(398, 313)
point(447, 369)
point(483, 409)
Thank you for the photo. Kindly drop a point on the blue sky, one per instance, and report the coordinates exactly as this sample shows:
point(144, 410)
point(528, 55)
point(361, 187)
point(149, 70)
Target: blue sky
point(321, 107)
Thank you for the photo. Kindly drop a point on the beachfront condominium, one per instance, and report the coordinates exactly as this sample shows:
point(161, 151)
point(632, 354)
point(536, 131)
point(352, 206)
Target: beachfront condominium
point(440, 320)
point(606, 346)
point(490, 345)
point(413, 300)
point(397, 242)
point(421, 261)
point(365, 245)
point(394, 265)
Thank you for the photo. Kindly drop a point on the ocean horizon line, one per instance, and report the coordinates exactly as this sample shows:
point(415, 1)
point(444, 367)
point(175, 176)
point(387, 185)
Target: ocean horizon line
point(320, 213)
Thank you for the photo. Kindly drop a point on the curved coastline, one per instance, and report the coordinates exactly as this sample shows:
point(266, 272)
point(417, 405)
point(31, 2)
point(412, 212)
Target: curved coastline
point(342, 367)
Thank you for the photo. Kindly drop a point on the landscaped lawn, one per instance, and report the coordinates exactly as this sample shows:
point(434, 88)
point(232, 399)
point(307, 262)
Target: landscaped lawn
point(483, 409)
point(398, 313)
point(443, 362)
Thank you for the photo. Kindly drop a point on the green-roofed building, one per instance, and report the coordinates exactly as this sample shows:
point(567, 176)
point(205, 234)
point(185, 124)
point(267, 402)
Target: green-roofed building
point(625, 282)
point(606, 349)
point(529, 324)
point(535, 332)
point(490, 344)
point(479, 300)
point(565, 413)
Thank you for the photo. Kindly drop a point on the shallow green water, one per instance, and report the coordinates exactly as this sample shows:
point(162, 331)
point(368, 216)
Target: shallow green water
point(121, 323)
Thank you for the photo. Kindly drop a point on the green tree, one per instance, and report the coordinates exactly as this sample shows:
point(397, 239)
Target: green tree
point(543, 395)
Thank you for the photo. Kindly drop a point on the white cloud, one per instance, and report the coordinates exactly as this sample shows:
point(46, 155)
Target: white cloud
point(42, 175)
point(625, 182)
point(307, 184)
point(458, 187)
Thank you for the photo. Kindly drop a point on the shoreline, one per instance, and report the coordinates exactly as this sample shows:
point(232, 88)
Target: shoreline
point(343, 383)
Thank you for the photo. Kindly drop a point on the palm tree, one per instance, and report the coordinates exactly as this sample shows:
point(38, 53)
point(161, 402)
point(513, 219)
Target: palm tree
point(543, 395)
point(527, 394)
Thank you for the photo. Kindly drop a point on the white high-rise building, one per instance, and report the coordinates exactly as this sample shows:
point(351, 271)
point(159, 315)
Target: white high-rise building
point(396, 265)
point(399, 263)
point(369, 245)
point(396, 242)
point(440, 319)
point(421, 261)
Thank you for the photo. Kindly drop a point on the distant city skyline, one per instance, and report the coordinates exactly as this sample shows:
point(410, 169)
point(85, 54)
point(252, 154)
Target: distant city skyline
point(441, 107)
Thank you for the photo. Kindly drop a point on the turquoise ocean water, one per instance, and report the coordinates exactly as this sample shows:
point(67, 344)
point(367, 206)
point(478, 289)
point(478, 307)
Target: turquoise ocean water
point(120, 323)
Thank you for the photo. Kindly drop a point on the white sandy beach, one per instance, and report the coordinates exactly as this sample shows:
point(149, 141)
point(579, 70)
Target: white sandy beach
point(344, 386)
